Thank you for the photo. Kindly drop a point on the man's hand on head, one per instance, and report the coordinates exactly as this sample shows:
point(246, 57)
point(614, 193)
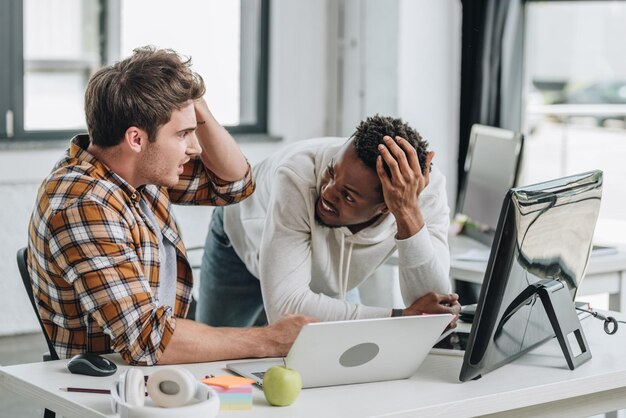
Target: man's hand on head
point(202, 110)
point(402, 188)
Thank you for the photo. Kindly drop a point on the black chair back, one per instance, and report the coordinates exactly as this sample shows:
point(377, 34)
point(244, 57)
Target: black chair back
point(22, 255)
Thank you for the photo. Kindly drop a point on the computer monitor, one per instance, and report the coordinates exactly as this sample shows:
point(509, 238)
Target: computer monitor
point(537, 262)
point(491, 169)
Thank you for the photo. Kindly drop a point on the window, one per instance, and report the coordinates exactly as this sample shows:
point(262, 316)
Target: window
point(58, 61)
point(56, 45)
point(575, 99)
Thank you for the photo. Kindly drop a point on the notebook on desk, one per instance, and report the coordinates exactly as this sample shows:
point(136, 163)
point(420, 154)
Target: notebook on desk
point(357, 351)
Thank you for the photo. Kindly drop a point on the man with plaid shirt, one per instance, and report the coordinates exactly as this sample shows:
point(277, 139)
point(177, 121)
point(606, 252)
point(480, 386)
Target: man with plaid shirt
point(108, 266)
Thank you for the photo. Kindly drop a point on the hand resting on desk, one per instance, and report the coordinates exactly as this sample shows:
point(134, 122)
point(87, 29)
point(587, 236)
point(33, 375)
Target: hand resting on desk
point(435, 303)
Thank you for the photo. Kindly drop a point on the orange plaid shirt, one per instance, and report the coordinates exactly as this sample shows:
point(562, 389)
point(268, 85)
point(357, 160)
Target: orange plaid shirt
point(94, 260)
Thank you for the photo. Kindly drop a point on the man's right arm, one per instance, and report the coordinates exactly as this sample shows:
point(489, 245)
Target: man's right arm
point(195, 342)
point(92, 247)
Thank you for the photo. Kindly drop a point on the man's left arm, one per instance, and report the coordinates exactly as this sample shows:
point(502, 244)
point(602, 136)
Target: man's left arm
point(221, 175)
point(424, 258)
point(419, 205)
point(220, 152)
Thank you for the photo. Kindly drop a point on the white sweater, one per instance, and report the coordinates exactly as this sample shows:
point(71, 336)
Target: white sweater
point(307, 268)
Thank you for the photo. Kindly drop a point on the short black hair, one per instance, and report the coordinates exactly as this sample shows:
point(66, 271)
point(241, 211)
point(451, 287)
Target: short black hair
point(370, 132)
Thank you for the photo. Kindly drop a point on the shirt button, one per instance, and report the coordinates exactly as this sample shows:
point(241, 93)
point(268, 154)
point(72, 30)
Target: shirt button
point(133, 196)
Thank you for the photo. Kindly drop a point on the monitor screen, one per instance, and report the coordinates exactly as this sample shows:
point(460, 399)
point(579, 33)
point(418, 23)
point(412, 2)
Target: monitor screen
point(491, 169)
point(544, 232)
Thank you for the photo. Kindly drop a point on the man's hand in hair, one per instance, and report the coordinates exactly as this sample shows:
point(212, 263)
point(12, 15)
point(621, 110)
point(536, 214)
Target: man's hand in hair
point(402, 188)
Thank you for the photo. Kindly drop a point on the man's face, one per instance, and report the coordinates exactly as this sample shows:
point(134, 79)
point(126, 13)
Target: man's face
point(350, 192)
point(176, 142)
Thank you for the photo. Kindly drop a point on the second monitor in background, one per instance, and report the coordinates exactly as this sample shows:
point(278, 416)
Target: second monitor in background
point(491, 169)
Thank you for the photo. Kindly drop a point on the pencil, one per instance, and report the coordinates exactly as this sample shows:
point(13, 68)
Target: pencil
point(86, 390)
point(90, 390)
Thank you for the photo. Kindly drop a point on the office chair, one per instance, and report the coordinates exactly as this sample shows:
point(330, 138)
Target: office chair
point(195, 262)
point(22, 255)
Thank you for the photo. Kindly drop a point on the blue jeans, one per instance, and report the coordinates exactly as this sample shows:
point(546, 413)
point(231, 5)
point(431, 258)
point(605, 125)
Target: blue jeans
point(230, 296)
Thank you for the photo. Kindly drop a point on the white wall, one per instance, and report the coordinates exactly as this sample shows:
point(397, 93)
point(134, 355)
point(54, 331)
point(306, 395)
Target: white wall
point(402, 58)
point(421, 87)
point(429, 77)
point(298, 69)
point(368, 65)
point(20, 173)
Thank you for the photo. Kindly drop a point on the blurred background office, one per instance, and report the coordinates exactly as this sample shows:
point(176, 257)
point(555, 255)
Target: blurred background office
point(284, 70)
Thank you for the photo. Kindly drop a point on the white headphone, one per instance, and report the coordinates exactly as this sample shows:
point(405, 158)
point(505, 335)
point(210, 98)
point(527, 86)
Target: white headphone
point(171, 388)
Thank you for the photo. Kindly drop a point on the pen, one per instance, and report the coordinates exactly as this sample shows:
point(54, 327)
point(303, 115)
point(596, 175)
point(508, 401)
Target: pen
point(89, 390)
point(86, 390)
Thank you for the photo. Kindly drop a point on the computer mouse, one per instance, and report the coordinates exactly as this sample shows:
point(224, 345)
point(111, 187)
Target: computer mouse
point(91, 364)
point(468, 312)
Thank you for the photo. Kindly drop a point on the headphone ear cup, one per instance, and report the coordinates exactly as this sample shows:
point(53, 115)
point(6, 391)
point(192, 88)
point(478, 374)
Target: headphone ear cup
point(171, 387)
point(132, 387)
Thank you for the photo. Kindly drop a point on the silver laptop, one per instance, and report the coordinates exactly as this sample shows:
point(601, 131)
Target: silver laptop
point(356, 351)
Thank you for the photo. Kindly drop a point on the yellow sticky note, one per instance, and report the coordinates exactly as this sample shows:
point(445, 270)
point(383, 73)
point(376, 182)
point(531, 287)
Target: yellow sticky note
point(228, 381)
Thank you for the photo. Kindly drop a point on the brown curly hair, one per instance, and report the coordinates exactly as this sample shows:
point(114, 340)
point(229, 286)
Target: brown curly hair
point(142, 90)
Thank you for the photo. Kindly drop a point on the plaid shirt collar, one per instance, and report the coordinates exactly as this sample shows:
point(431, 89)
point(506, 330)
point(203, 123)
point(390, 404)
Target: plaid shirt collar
point(153, 195)
point(78, 151)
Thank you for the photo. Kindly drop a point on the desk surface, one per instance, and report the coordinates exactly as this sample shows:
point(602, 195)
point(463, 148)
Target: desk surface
point(538, 381)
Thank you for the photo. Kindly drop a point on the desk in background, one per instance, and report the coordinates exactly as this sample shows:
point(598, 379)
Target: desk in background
point(538, 383)
point(606, 273)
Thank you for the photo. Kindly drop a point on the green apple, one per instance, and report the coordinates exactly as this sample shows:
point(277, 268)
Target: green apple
point(281, 385)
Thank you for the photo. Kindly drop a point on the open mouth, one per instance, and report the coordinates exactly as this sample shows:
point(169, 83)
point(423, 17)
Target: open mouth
point(326, 208)
point(181, 167)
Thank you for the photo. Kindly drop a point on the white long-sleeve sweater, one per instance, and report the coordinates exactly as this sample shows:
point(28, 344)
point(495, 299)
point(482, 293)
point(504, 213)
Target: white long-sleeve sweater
point(307, 268)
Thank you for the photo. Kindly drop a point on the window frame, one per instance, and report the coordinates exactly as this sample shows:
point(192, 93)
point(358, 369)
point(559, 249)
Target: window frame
point(12, 74)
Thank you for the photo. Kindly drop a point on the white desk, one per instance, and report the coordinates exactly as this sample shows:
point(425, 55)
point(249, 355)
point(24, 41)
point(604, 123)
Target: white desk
point(606, 273)
point(538, 383)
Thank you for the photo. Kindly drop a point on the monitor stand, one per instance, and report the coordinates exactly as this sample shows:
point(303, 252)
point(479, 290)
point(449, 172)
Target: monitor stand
point(557, 301)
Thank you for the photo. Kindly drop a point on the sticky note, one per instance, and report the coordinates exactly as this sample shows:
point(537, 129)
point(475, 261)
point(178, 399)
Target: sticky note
point(227, 381)
point(235, 392)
